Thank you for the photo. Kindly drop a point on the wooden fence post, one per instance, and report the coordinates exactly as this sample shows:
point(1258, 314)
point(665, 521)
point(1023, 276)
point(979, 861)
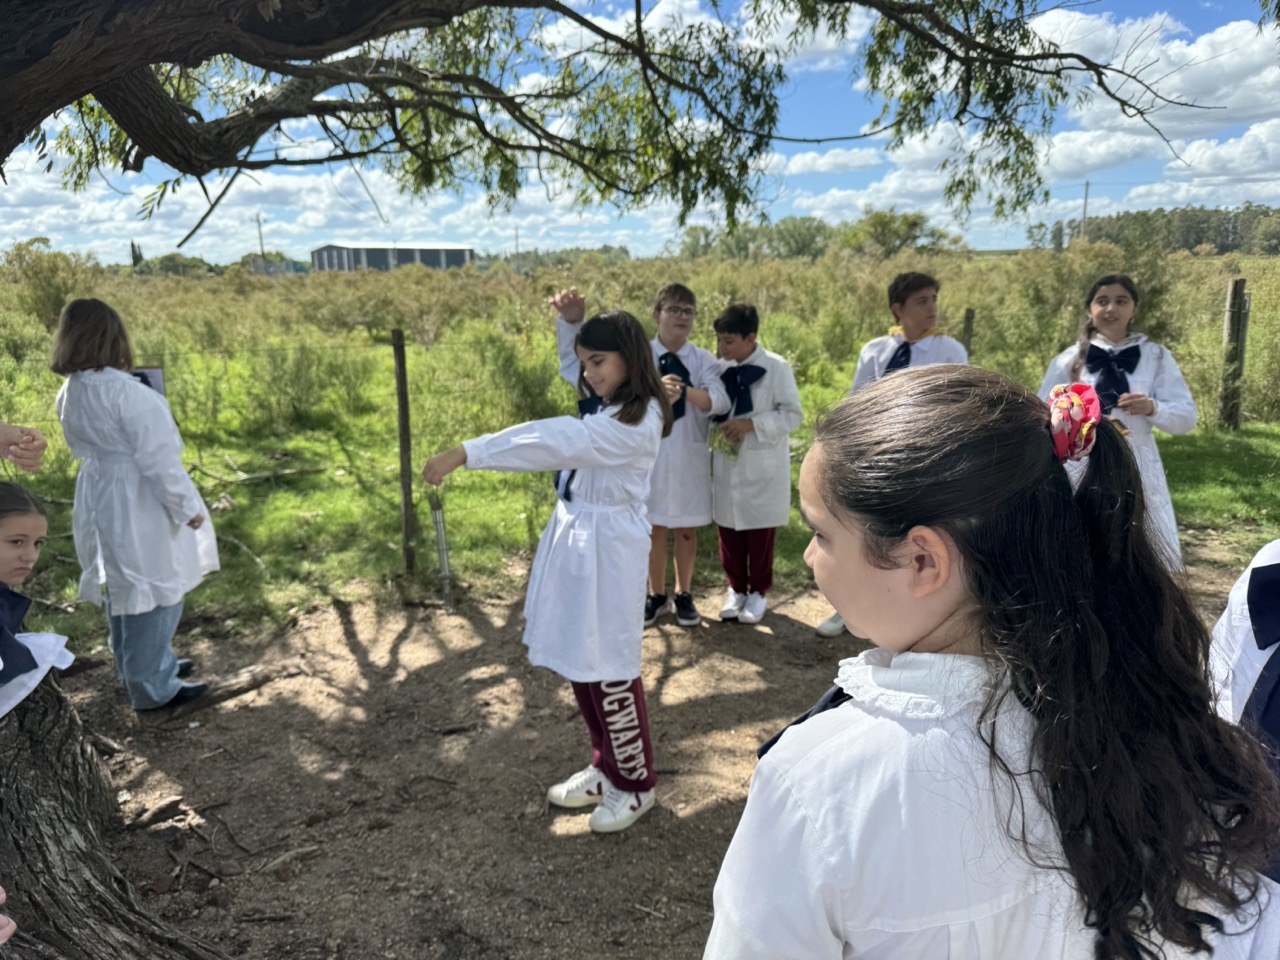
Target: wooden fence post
point(1235, 328)
point(966, 336)
point(408, 519)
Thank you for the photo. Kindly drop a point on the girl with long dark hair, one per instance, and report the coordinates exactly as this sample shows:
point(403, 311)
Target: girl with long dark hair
point(584, 609)
point(1027, 764)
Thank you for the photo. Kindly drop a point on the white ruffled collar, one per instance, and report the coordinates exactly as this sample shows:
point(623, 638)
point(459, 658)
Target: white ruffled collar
point(1098, 340)
point(923, 685)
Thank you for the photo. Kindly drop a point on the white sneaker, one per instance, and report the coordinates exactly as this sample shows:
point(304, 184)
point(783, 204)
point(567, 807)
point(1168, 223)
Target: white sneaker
point(733, 601)
point(752, 608)
point(833, 626)
point(620, 809)
point(584, 789)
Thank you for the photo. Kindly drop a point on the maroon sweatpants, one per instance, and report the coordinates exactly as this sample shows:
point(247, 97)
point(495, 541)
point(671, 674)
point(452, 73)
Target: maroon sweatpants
point(619, 726)
point(747, 558)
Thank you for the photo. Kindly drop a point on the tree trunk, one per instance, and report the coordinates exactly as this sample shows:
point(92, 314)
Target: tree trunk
point(56, 805)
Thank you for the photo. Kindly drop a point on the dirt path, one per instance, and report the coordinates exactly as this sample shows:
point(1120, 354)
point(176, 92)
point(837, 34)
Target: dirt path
point(385, 800)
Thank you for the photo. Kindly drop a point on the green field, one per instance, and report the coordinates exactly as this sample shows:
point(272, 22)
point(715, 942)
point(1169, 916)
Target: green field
point(284, 390)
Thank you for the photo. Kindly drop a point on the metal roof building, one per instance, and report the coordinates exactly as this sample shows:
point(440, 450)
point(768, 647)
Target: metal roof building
point(380, 257)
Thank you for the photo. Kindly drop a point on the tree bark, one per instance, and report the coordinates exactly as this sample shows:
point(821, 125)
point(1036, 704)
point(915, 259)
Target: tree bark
point(56, 806)
point(53, 52)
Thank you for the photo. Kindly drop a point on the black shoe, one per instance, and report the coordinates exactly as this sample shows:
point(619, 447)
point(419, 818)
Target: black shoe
point(655, 605)
point(686, 613)
point(186, 693)
point(185, 668)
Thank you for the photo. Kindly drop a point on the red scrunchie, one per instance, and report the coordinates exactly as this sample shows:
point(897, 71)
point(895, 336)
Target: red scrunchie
point(1074, 413)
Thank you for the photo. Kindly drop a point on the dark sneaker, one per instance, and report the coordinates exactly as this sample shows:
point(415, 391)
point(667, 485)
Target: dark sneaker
point(185, 668)
point(655, 605)
point(686, 613)
point(186, 693)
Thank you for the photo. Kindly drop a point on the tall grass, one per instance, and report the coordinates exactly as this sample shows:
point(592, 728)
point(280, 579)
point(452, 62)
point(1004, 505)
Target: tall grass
point(284, 390)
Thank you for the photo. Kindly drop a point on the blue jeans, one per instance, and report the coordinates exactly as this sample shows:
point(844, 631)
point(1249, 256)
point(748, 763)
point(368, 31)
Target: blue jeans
point(142, 644)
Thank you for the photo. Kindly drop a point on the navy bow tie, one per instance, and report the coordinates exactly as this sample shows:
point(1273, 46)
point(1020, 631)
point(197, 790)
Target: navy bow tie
point(668, 364)
point(1262, 709)
point(1113, 371)
point(901, 358)
point(563, 479)
point(737, 383)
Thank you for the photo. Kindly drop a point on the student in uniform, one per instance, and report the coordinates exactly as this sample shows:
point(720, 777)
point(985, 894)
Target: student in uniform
point(680, 496)
point(1028, 762)
point(913, 341)
point(751, 477)
point(141, 529)
point(584, 609)
point(1139, 384)
point(1245, 667)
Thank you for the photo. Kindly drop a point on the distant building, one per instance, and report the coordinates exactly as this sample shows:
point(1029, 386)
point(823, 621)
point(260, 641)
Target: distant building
point(372, 257)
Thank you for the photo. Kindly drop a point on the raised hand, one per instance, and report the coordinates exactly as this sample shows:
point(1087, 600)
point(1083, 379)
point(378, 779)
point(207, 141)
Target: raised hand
point(570, 304)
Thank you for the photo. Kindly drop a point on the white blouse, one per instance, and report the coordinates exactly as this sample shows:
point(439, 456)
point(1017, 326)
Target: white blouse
point(877, 831)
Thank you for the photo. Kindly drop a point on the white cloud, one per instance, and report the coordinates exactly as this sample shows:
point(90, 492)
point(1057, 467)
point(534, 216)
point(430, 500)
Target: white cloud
point(832, 161)
point(1229, 74)
point(1077, 154)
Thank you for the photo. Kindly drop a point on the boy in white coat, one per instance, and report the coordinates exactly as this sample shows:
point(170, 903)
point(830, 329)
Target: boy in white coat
point(751, 484)
point(914, 341)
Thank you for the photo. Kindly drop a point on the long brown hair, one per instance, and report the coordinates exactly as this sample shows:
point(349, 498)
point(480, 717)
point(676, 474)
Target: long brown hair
point(617, 331)
point(90, 336)
point(1165, 811)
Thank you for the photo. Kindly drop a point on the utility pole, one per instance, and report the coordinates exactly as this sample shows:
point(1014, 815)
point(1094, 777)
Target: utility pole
point(1084, 217)
point(261, 246)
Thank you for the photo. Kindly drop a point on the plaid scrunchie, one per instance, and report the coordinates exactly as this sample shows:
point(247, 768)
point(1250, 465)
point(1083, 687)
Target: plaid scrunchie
point(1074, 412)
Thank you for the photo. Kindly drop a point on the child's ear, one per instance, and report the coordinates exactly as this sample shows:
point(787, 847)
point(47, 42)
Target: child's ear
point(896, 310)
point(929, 554)
point(750, 337)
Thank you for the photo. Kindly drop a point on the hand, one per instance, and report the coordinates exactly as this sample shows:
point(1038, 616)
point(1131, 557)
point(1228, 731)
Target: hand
point(737, 429)
point(24, 446)
point(196, 522)
point(1136, 403)
point(570, 304)
point(443, 464)
point(674, 387)
point(7, 927)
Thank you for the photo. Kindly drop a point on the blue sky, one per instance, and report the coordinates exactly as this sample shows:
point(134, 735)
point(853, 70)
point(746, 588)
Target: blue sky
point(1223, 154)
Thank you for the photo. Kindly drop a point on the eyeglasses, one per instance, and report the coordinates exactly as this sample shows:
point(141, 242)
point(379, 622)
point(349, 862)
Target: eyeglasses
point(687, 312)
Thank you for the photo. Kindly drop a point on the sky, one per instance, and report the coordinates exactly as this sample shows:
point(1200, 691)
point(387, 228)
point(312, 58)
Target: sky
point(1222, 153)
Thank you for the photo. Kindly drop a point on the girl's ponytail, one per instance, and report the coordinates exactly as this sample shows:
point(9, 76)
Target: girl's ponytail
point(1170, 803)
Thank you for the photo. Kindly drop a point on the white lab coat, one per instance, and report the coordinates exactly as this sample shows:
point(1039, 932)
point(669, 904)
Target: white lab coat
point(873, 831)
point(1235, 657)
point(584, 608)
point(681, 494)
point(680, 490)
point(1157, 375)
point(133, 496)
point(875, 356)
point(753, 492)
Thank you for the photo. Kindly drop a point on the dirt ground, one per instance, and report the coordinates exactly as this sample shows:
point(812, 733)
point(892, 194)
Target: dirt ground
point(383, 798)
